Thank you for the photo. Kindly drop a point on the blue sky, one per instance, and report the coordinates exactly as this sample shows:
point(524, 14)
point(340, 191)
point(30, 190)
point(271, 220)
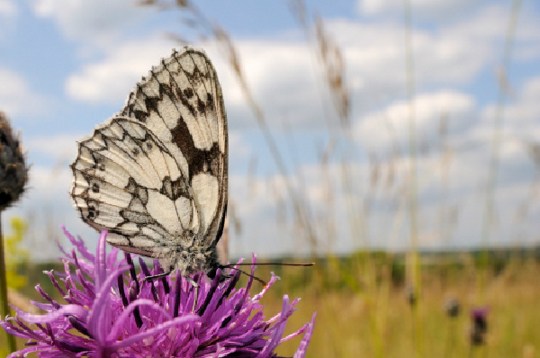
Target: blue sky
point(66, 66)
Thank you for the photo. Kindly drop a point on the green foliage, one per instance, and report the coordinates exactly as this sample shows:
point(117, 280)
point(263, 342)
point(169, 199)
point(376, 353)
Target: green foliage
point(16, 256)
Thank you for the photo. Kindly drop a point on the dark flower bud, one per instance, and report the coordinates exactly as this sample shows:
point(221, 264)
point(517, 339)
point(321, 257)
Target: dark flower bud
point(479, 326)
point(13, 170)
point(452, 307)
point(411, 296)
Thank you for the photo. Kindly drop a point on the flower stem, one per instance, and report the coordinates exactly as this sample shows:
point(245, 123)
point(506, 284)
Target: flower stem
point(4, 307)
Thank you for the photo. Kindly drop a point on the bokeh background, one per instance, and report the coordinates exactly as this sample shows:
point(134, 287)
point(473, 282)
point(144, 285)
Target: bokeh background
point(395, 143)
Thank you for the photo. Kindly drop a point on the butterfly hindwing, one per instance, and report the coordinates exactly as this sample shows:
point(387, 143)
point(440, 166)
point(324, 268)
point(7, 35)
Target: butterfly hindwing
point(127, 182)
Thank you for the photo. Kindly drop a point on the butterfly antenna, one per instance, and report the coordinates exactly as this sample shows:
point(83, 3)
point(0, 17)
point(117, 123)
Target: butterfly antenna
point(300, 264)
point(232, 267)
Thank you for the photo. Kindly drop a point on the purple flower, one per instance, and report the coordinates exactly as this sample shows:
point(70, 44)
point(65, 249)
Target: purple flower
point(479, 326)
point(111, 311)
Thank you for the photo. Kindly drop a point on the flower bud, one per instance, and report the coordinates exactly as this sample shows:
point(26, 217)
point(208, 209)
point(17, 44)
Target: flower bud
point(13, 170)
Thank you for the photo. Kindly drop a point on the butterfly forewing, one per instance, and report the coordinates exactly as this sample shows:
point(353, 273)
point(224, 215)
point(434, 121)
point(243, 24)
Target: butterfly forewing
point(181, 102)
point(155, 176)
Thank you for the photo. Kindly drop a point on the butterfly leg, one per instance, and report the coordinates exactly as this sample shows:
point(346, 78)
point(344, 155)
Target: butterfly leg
point(156, 276)
point(196, 296)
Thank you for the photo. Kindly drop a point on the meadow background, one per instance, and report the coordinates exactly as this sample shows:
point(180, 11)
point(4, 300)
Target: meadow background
point(394, 143)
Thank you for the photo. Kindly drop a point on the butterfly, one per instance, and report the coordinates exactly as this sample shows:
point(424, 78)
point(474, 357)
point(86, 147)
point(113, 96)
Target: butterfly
point(155, 175)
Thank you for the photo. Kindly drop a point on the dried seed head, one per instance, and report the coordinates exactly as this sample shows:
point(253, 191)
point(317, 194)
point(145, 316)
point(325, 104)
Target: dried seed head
point(452, 307)
point(13, 170)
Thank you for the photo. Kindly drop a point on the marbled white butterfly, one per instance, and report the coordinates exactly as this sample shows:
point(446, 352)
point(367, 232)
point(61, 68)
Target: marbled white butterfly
point(155, 175)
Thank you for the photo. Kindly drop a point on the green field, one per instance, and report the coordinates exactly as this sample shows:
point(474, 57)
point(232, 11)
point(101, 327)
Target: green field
point(374, 319)
point(363, 307)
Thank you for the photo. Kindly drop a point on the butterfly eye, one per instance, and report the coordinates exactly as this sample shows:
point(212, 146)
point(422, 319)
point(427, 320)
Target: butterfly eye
point(184, 256)
point(95, 188)
point(149, 145)
point(135, 151)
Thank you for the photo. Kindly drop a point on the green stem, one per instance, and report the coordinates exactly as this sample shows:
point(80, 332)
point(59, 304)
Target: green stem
point(413, 260)
point(3, 291)
point(496, 144)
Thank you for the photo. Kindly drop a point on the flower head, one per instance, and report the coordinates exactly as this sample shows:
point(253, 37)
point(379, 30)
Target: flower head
point(479, 326)
point(112, 311)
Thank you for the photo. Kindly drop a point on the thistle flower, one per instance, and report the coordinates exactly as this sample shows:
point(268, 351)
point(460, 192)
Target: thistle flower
point(112, 311)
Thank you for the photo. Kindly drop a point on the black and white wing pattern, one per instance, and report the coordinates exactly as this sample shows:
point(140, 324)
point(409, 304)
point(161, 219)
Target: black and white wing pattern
point(155, 175)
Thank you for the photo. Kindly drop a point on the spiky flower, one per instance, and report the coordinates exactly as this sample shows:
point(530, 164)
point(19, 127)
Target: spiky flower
point(13, 170)
point(112, 311)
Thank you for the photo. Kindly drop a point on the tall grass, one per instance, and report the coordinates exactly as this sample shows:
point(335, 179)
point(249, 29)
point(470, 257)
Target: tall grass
point(344, 328)
point(498, 130)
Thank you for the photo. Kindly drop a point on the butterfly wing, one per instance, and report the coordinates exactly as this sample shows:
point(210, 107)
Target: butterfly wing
point(181, 102)
point(157, 173)
point(127, 182)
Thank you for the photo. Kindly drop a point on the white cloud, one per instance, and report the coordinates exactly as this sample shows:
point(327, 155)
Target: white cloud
point(450, 209)
point(434, 9)
point(486, 29)
point(286, 78)
point(451, 198)
point(16, 95)
point(7, 8)
point(469, 139)
point(381, 130)
point(522, 115)
point(453, 52)
point(491, 22)
point(276, 72)
point(111, 79)
point(520, 118)
point(281, 77)
point(285, 75)
point(46, 205)
point(375, 55)
point(8, 14)
point(98, 22)
point(64, 148)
